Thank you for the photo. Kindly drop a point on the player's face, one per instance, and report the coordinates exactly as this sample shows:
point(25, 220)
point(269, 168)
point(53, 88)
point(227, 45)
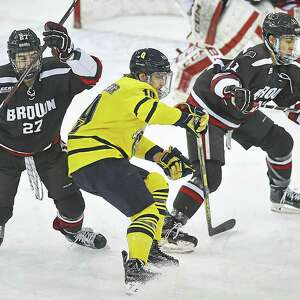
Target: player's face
point(289, 46)
point(24, 59)
point(161, 81)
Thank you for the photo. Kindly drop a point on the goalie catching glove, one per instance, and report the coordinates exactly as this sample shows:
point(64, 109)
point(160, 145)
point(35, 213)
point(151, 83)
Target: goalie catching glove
point(193, 119)
point(174, 164)
point(56, 37)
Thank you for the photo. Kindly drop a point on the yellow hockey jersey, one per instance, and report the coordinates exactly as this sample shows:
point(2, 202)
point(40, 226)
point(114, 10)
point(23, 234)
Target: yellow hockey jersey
point(113, 125)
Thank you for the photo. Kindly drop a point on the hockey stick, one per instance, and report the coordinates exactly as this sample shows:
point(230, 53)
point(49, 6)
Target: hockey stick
point(281, 108)
point(227, 225)
point(42, 49)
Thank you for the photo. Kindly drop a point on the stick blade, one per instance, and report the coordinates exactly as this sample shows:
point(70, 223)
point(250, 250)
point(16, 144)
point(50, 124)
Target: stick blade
point(222, 227)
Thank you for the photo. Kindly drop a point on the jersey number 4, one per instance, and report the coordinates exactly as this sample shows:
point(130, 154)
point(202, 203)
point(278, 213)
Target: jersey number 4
point(87, 115)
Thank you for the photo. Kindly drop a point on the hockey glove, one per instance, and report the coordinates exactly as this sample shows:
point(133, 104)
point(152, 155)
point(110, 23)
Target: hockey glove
point(193, 119)
point(238, 100)
point(56, 37)
point(174, 164)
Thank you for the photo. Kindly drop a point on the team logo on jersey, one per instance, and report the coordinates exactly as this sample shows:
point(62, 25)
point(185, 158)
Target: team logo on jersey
point(250, 53)
point(5, 89)
point(267, 93)
point(112, 88)
point(30, 112)
point(137, 136)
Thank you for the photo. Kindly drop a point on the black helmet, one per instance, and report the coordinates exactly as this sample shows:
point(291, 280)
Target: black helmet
point(279, 25)
point(148, 61)
point(23, 41)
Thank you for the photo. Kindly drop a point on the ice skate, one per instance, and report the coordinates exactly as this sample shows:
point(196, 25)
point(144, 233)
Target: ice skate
point(174, 239)
point(2, 228)
point(86, 237)
point(284, 200)
point(136, 274)
point(159, 258)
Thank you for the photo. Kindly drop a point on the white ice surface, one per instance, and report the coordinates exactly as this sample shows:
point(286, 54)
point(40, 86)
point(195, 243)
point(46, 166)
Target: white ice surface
point(259, 259)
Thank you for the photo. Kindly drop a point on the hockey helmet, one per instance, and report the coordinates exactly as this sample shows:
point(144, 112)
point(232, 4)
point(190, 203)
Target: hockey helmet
point(154, 64)
point(281, 25)
point(24, 41)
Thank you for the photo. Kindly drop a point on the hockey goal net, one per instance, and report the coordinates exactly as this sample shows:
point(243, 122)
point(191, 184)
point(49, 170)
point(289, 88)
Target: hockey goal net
point(95, 10)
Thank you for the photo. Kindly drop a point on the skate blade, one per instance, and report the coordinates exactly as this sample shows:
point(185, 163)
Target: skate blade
point(159, 266)
point(284, 209)
point(180, 247)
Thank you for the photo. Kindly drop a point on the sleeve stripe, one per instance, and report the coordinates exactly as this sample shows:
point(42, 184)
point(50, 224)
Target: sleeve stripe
point(151, 152)
point(88, 149)
point(103, 141)
point(139, 105)
point(153, 109)
point(93, 81)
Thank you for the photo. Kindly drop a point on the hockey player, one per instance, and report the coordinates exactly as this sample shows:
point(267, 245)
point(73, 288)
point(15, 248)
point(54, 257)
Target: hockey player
point(30, 126)
point(262, 73)
point(109, 133)
point(218, 29)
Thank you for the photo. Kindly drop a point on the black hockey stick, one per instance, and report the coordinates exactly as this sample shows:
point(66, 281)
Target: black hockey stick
point(227, 225)
point(41, 51)
point(281, 108)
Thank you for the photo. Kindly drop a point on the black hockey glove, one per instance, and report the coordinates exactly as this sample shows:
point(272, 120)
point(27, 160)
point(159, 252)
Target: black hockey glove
point(238, 100)
point(56, 37)
point(193, 119)
point(174, 164)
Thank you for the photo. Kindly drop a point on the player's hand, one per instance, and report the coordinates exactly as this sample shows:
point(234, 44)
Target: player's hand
point(173, 163)
point(238, 98)
point(194, 119)
point(56, 37)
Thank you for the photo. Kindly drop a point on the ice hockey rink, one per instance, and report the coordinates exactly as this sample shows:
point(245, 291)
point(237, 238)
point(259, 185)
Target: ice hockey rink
point(258, 259)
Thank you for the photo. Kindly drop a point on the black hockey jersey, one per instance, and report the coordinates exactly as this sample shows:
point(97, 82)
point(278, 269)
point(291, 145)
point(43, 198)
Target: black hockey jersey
point(32, 119)
point(252, 69)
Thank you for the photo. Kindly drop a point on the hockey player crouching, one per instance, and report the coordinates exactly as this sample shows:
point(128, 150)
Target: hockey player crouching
point(109, 133)
point(30, 126)
point(265, 72)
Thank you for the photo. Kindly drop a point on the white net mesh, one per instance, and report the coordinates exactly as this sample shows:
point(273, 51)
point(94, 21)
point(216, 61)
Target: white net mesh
point(105, 9)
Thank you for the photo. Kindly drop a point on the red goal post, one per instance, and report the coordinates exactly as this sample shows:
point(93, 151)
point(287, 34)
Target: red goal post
point(77, 16)
point(89, 10)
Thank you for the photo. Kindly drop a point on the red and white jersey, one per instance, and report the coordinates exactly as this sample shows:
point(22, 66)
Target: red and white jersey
point(230, 27)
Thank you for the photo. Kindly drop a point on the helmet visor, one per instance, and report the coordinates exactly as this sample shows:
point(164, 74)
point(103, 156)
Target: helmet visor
point(288, 47)
point(161, 81)
point(22, 61)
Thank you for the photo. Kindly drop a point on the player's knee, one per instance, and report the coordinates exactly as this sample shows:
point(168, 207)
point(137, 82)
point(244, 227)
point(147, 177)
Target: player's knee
point(71, 206)
point(214, 174)
point(155, 181)
point(278, 142)
point(6, 213)
point(150, 211)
